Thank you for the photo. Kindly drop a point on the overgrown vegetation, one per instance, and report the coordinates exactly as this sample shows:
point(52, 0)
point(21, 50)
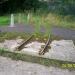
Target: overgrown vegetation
point(41, 37)
point(48, 13)
point(38, 20)
point(4, 20)
point(55, 6)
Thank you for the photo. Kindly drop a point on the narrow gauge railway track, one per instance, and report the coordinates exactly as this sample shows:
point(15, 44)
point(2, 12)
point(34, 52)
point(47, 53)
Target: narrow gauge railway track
point(45, 49)
point(41, 52)
point(22, 45)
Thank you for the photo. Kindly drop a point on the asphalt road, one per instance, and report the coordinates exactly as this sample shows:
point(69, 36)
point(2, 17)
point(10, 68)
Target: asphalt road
point(62, 32)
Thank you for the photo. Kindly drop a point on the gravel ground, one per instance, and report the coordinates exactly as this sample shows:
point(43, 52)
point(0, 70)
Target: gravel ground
point(11, 67)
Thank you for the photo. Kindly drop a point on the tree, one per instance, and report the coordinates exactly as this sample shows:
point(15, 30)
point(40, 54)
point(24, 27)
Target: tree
point(2, 1)
point(18, 5)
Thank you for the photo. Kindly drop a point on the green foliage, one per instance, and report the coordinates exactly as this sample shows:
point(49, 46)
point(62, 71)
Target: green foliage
point(55, 6)
point(67, 21)
point(12, 6)
point(4, 20)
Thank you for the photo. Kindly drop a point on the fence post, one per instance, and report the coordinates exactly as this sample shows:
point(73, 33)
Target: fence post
point(12, 21)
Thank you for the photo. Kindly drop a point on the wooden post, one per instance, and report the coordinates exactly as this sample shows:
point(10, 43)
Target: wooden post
point(28, 17)
point(19, 18)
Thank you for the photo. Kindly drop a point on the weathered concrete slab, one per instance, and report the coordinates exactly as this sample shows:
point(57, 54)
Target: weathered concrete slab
point(10, 44)
point(33, 48)
point(61, 50)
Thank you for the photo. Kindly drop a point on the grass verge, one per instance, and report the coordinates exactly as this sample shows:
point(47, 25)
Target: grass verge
point(4, 20)
point(41, 37)
point(38, 19)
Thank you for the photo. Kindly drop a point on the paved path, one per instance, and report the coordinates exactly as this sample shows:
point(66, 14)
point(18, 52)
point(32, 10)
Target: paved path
point(11, 67)
point(62, 32)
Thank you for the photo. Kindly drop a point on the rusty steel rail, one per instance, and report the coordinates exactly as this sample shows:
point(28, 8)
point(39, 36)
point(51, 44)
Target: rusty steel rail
point(19, 48)
point(45, 49)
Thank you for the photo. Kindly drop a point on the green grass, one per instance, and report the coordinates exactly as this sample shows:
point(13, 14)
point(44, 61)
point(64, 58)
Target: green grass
point(50, 19)
point(37, 19)
point(4, 20)
point(12, 35)
point(29, 58)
